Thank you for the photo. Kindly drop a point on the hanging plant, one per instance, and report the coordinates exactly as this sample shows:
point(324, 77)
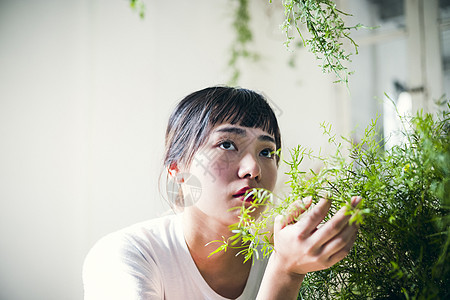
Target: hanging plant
point(240, 48)
point(325, 33)
point(319, 25)
point(139, 6)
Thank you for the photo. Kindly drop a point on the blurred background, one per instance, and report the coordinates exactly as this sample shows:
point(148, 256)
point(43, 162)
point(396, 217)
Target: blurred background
point(86, 88)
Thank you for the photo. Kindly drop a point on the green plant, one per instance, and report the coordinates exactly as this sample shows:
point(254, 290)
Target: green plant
point(243, 37)
point(327, 31)
point(402, 247)
point(318, 23)
point(139, 6)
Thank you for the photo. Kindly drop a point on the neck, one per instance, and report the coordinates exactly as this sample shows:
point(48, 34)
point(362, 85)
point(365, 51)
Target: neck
point(225, 272)
point(200, 232)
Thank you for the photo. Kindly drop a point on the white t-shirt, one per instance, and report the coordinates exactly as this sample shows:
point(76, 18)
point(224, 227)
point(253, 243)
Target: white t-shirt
point(151, 260)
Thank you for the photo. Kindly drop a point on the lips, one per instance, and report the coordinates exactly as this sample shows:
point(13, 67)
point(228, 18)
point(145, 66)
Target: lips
point(241, 194)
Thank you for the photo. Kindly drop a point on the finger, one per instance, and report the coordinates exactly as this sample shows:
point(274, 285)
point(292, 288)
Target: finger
point(343, 240)
point(337, 223)
point(295, 209)
point(342, 253)
point(333, 226)
point(356, 200)
point(315, 216)
point(278, 224)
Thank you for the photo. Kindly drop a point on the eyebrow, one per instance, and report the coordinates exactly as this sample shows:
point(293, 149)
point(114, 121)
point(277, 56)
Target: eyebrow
point(243, 132)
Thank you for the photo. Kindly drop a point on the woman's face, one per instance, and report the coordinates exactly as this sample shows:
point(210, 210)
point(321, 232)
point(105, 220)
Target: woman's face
point(233, 159)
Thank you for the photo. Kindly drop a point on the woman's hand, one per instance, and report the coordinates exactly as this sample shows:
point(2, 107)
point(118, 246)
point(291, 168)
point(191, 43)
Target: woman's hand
point(304, 246)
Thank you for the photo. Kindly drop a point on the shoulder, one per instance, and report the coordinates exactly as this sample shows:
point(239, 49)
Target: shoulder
point(142, 238)
point(131, 256)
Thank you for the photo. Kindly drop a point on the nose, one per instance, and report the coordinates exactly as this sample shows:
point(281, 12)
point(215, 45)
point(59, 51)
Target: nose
point(249, 167)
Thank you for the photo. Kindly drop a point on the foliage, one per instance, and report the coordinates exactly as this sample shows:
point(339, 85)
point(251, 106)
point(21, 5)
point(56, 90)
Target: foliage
point(326, 29)
point(402, 247)
point(139, 6)
point(322, 21)
point(240, 46)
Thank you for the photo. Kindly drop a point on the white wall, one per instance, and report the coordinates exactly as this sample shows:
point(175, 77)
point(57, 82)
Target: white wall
point(86, 88)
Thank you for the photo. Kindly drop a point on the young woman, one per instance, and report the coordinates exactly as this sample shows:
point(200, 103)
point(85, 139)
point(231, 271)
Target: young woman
point(219, 141)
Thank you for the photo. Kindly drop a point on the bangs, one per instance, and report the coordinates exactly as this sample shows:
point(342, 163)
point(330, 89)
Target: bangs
point(245, 108)
point(198, 113)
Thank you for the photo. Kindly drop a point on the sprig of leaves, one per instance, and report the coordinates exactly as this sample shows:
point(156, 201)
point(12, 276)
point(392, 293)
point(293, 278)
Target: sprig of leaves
point(320, 19)
point(139, 6)
point(327, 31)
point(240, 48)
point(251, 235)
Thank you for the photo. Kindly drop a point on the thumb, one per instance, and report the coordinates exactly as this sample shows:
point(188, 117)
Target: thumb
point(278, 224)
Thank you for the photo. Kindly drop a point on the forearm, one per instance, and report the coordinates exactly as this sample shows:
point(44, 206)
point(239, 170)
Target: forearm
point(278, 282)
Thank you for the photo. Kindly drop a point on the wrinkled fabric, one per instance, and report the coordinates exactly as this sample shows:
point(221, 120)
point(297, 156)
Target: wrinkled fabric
point(151, 260)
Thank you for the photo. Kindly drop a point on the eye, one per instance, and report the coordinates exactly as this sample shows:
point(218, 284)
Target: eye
point(269, 153)
point(227, 145)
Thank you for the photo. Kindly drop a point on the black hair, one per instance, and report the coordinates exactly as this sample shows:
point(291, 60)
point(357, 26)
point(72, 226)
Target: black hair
point(197, 114)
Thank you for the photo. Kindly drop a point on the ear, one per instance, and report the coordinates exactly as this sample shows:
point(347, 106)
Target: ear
point(175, 173)
point(173, 170)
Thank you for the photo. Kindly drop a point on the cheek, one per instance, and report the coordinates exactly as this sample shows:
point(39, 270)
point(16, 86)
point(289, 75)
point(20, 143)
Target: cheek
point(222, 166)
point(212, 172)
point(271, 177)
